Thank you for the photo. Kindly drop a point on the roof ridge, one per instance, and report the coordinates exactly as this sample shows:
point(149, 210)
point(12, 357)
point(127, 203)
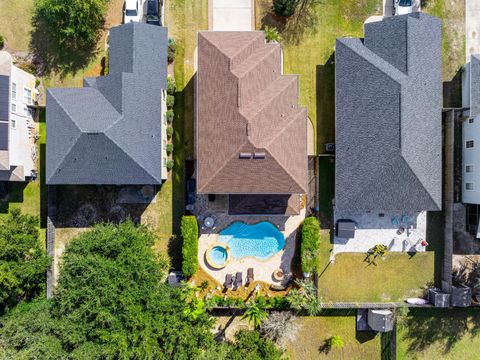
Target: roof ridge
point(229, 57)
point(416, 176)
point(265, 50)
point(381, 64)
point(234, 153)
point(283, 129)
point(267, 90)
point(285, 170)
point(128, 155)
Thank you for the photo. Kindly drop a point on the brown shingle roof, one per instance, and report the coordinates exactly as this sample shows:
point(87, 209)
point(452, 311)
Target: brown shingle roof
point(246, 105)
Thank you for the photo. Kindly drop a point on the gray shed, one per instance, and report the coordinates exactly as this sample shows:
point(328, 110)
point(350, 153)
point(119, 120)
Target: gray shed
point(345, 229)
point(381, 320)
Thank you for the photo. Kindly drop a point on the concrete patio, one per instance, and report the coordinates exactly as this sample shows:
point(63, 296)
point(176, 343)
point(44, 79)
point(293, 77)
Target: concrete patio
point(373, 229)
point(263, 270)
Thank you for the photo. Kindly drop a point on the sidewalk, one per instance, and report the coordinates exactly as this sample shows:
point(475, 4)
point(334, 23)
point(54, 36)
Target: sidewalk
point(472, 27)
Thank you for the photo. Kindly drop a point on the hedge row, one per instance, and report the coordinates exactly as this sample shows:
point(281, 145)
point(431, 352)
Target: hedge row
point(189, 228)
point(310, 244)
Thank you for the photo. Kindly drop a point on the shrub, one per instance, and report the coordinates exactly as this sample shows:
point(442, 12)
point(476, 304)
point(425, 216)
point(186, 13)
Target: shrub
point(2, 41)
point(310, 244)
point(106, 64)
point(170, 114)
point(189, 229)
point(285, 8)
point(169, 132)
point(170, 164)
point(169, 148)
point(171, 86)
point(271, 34)
point(170, 101)
point(172, 48)
point(250, 345)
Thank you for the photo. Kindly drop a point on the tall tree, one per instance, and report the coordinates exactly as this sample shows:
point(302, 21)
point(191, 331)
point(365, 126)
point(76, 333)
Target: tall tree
point(23, 260)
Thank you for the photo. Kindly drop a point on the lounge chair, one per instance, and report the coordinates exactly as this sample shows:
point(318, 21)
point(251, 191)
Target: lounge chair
point(250, 276)
point(228, 281)
point(238, 279)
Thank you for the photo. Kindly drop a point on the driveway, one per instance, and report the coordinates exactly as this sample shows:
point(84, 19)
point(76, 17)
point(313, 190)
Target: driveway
point(388, 7)
point(231, 15)
point(472, 27)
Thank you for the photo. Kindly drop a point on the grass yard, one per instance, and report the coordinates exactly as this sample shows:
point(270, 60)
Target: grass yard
point(15, 25)
point(396, 277)
point(183, 18)
point(311, 55)
point(439, 334)
point(315, 330)
point(452, 14)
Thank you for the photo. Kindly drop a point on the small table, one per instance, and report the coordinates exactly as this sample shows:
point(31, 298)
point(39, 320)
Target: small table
point(278, 275)
point(209, 222)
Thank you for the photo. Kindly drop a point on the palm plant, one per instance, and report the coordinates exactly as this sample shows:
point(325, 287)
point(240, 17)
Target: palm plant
point(336, 342)
point(271, 34)
point(255, 314)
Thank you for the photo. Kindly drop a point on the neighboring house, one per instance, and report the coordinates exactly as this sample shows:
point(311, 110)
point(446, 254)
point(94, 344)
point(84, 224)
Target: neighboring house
point(113, 130)
point(251, 132)
point(471, 132)
point(17, 129)
point(388, 117)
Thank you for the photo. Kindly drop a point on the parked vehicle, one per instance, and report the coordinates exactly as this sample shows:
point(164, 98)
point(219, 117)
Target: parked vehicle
point(133, 11)
point(402, 7)
point(153, 17)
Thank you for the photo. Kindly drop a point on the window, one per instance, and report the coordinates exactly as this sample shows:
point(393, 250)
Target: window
point(469, 186)
point(469, 168)
point(27, 111)
point(14, 91)
point(469, 144)
point(164, 119)
point(27, 95)
point(14, 107)
point(471, 120)
point(13, 124)
point(164, 161)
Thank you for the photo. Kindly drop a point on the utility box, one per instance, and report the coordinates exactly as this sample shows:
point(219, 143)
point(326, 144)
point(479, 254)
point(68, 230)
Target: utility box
point(438, 298)
point(461, 296)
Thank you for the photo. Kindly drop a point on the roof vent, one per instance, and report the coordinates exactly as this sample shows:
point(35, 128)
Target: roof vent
point(245, 155)
point(259, 155)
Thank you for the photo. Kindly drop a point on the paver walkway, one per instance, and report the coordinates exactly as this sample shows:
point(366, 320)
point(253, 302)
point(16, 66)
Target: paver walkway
point(472, 27)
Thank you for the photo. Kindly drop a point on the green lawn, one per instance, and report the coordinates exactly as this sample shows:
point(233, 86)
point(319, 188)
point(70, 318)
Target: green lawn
point(311, 55)
point(315, 330)
point(326, 186)
point(183, 18)
point(439, 334)
point(15, 25)
point(452, 14)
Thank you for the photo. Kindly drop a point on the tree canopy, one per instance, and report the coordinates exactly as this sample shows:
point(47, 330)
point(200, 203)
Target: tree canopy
point(23, 260)
point(111, 302)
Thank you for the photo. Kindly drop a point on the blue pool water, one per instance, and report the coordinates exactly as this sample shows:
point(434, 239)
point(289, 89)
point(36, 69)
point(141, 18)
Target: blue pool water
point(218, 255)
point(261, 240)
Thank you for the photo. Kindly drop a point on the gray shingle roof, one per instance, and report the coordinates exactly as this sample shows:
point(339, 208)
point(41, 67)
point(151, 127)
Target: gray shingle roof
point(109, 131)
point(475, 85)
point(388, 116)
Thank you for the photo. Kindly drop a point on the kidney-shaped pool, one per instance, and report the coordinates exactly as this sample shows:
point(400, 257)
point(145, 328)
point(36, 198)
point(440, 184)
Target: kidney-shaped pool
point(261, 240)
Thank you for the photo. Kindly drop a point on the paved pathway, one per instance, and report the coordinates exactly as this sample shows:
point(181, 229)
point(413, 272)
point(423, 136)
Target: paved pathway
point(231, 15)
point(472, 27)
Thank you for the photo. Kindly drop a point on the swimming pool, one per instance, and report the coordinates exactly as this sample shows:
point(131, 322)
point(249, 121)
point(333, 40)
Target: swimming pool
point(261, 240)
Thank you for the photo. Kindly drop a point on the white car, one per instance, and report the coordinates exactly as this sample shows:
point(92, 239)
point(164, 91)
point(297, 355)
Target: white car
point(402, 7)
point(133, 11)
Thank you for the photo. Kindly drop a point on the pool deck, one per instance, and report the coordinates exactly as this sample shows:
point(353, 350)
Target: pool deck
point(263, 270)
